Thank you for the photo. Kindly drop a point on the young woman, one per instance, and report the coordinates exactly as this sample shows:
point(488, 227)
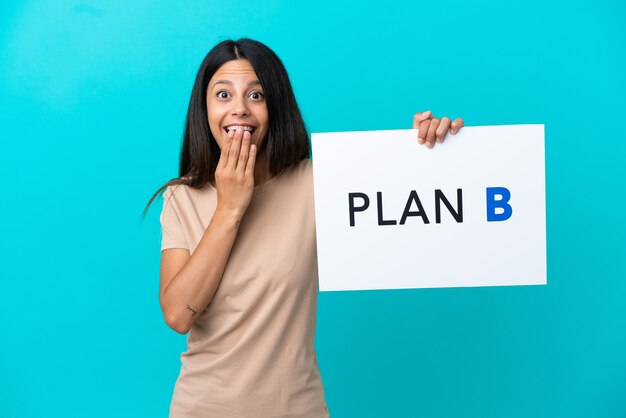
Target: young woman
point(238, 261)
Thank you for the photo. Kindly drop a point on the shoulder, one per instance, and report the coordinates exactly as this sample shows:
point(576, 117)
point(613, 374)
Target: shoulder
point(293, 177)
point(299, 173)
point(303, 169)
point(181, 195)
point(307, 163)
point(299, 177)
point(180, 189)
point(176, 192)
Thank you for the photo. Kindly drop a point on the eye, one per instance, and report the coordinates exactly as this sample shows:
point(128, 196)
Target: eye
point(223, 94)
point(255, 95)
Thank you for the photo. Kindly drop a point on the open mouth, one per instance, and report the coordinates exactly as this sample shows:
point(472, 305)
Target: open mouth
point(245, 128)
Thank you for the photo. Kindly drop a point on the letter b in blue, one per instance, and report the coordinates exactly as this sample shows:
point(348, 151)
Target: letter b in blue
point(504, 195)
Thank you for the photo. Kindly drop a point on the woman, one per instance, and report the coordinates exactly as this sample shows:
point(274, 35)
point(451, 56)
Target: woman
point(238, 266)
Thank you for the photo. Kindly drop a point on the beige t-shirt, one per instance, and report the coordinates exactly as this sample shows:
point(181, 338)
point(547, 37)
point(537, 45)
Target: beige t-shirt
point(251, 353)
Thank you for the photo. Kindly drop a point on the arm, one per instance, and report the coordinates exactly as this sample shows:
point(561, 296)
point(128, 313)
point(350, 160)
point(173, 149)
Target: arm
point(188, 282)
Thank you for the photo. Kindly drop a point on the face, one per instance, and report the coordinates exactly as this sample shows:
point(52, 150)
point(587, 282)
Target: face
point(234, 98)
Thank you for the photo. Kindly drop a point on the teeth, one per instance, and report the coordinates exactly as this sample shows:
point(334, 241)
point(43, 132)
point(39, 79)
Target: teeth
point(245, 128)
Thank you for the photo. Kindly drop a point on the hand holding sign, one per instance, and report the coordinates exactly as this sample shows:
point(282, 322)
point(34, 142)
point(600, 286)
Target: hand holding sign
point(431, 128)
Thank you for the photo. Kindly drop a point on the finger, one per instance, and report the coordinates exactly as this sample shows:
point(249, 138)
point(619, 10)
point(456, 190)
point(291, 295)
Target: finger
point(432, 129)
point(251, 162)
point(456, 125)
point(243, 154)
point(442, 130)
point(419, 117)
point(423, 130)
point(235, 147)
point(224, 150)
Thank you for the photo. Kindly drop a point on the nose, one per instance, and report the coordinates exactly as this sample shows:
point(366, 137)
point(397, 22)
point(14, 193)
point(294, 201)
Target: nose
point(240, 107)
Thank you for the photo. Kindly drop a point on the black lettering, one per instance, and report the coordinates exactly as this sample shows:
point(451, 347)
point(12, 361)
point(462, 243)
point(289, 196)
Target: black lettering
point(440, 197)
point(353, 209)
point(381, 221)
point(413, 197)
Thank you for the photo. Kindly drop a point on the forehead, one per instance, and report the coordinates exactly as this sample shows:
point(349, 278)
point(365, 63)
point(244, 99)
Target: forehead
point(237, 70)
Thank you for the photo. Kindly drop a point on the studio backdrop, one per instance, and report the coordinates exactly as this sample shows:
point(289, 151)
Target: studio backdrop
point(93, 96)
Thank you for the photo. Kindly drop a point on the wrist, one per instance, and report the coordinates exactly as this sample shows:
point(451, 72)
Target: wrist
point(228, 215)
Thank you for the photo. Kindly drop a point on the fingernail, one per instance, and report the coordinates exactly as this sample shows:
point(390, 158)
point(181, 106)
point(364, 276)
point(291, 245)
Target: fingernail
point(420, 140)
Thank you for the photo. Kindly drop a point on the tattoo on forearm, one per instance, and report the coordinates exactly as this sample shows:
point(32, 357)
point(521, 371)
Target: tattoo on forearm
point(237, 224)
point(192, 310)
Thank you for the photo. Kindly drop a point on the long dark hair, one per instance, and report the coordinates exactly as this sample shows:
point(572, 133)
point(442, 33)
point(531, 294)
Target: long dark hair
point(287, 142)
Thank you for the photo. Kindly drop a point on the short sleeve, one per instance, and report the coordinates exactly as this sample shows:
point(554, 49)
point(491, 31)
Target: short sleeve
point(172, 234)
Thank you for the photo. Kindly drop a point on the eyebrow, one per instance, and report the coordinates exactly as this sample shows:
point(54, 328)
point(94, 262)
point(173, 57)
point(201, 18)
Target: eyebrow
point(230, 83)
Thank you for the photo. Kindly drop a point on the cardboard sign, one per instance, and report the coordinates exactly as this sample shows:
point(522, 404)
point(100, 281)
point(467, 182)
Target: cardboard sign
point(394, 214)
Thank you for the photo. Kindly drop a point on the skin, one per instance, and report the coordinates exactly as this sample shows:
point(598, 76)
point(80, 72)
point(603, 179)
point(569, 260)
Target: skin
point(433, 129)
point(234, 96)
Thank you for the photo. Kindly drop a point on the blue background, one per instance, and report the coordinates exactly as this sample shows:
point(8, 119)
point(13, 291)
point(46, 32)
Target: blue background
point(93, 97)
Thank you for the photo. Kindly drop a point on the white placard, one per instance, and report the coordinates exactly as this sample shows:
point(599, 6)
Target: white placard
point(378, 195)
